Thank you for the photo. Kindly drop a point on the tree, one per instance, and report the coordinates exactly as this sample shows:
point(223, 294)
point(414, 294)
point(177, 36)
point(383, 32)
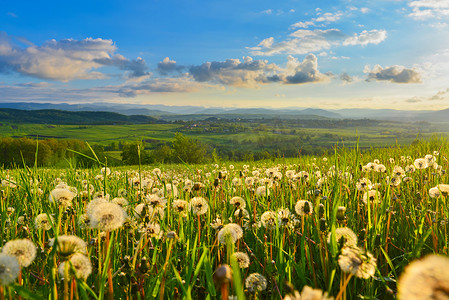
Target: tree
point(130, 153)
point(188, 150)
point(162, 153)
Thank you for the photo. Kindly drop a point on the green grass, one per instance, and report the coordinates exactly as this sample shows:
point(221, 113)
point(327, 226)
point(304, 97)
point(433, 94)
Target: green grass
point(404, 225)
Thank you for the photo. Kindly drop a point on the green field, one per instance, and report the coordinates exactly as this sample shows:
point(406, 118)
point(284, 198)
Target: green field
point(238, 134)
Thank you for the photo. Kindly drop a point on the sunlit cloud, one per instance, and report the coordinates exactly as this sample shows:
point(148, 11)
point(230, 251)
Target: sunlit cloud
point(396, 74)
point(66, 60)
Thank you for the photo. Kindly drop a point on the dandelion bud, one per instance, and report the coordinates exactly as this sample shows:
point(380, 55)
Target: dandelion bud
point(216, 182)
point(341, 213)
point(306, 208)
point(223, 274)
point(321, 210)
point(144, 265)
point(323, 225)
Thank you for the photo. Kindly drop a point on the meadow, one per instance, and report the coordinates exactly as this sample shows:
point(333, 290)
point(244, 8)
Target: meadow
point(350, 225)
point(240, 139)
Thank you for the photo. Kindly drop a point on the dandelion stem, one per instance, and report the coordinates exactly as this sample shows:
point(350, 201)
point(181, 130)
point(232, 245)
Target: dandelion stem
point(343, 287)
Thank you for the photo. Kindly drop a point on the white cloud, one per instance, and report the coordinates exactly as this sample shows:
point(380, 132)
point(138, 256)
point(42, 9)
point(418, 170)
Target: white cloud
point(303, 42)
point(303, 72)
point(233, 72)
point(364, 10)
point(66, 59)
point(366, 37)
point(321, 18)
point(424, 9)
point(396, 74)
point(329, 17)
point(267, 12)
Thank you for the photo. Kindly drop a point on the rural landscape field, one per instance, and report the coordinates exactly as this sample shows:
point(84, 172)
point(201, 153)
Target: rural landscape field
point(205, 149)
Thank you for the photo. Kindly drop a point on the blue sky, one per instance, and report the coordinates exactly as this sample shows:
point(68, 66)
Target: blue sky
point(292, 53)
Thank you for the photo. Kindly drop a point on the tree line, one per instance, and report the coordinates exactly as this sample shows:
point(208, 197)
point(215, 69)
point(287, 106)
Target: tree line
point(17, 152)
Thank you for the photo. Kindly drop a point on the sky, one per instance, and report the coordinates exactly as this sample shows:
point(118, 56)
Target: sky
point(261, 53)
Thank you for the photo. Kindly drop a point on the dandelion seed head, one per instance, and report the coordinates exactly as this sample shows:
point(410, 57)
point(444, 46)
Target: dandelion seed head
point(82, 267)
point(107, 216)
point(425, 278)
point(357, 262)
point(9, 269)
point(24, 250)
point(303, 207)
point(238, 202)
point(198, 205)
point(242, 259)
point(231, 232)
point(255, 282)
point(62, 197)
point(42, 221)
point(69, 244)
point(268, 220)
point(345, 234)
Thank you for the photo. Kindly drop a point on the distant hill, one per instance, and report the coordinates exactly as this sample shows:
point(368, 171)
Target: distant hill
point(61, 117)
point(168, 112)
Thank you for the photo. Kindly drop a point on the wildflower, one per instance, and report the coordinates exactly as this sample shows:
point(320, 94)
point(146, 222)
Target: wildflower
point(69, 244)
point(231, 232)
point(290, 174)
point(249, 181)
point(238, 202)
point(62, 196)
point(303, 207)
point(357, 262)
point(107, 216)
point(241, 214)
point(398, 171)
point(308, 293)
point(181, 207)
point(262, 191)
point(120, 201)
point(285, 218)
point(268, 220)
point(216, 224)
point(410, 169)
point(198, 205)
point(372, 195)
point(157, 172)
point(236, 181)
point(444, 188)
point(364, 184)
point(242, 259)
point(43, 221)
point(345, 235)
point(9, 269)
point(80, 266)
point(93, 204)
point(105, 171)
point(155, 201)
point(153, 230)
point(380, 168)
point(395, 181)
point(84, 221)
point(434, 192)
point(255, 282)
point(420, 163)
point(426, 278)
point(24, 250)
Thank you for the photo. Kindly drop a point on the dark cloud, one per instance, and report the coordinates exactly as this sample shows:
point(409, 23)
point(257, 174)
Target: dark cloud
point(137, 66)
